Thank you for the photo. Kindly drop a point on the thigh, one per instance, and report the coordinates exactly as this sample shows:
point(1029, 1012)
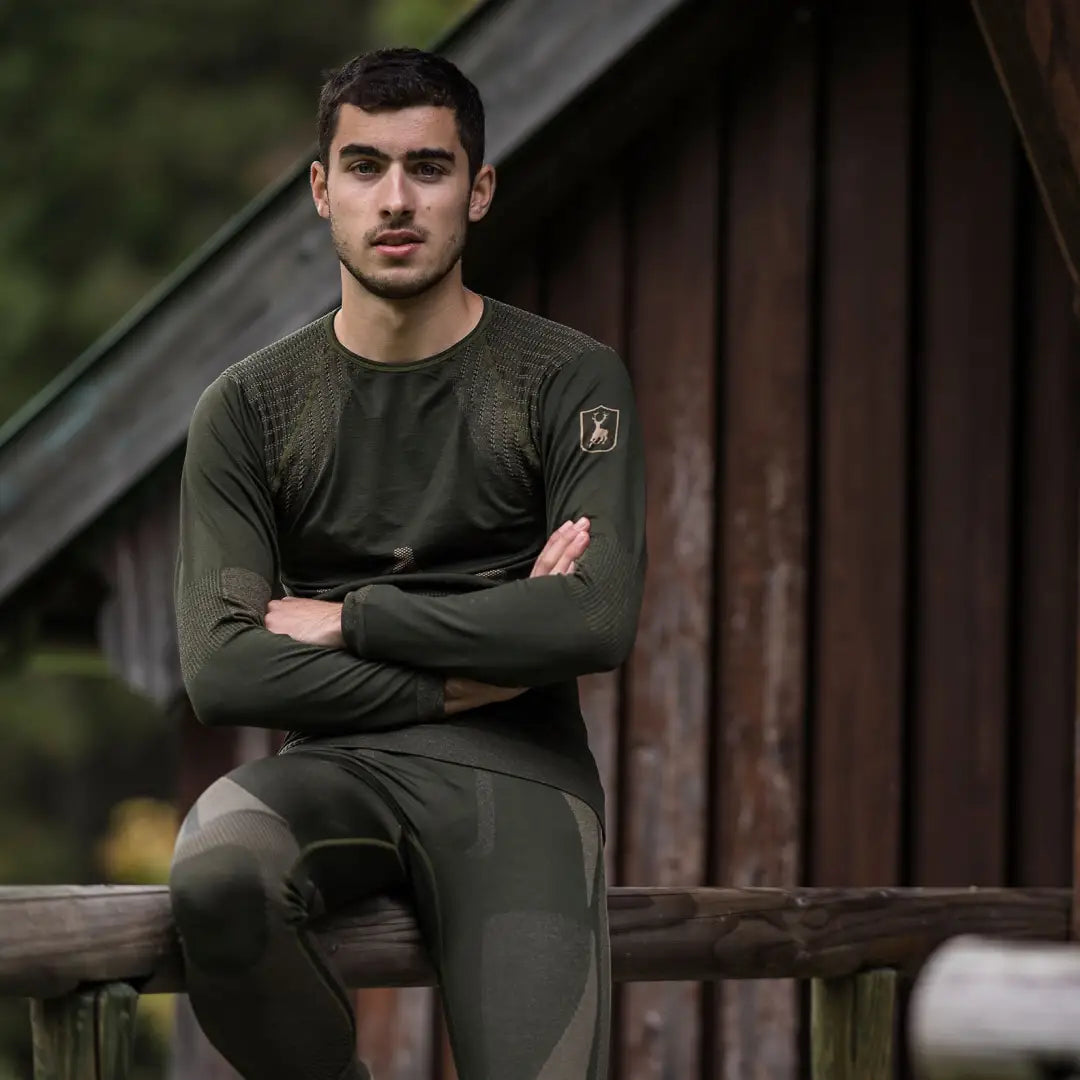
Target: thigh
point(310, 821)
point(521, 939)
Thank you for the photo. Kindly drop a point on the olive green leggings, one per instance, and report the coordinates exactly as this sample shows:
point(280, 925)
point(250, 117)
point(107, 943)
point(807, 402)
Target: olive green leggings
point(506, 876)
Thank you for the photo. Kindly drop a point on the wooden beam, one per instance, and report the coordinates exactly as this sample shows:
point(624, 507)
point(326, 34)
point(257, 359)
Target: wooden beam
point(851, 1027)
point(765, 509)
point(988, 1008)
point(672, 231)
point(89, 1035)
point(1036, 52)
point(52, 938)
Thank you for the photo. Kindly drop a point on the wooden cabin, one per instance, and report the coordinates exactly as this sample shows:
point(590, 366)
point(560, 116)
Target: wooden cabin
point(813, 233)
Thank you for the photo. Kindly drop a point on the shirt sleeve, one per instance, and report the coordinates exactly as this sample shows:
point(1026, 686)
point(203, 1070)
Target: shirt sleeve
point(545, 629)
point(236, 671)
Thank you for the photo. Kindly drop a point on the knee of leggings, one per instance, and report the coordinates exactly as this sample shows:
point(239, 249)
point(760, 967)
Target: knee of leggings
point(220, 905)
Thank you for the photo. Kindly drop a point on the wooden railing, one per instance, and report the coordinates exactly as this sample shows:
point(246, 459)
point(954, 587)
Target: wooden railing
point(84, 954)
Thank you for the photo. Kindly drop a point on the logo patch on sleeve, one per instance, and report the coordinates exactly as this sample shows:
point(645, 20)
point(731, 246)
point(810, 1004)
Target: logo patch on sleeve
point(599, 429)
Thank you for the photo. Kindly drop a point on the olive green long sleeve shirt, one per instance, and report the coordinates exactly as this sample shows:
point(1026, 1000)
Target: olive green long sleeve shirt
point(419, 495)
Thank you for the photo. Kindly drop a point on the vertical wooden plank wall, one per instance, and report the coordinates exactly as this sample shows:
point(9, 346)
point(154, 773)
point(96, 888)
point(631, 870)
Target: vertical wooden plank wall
point(859, 648)
point(1046, 512)
point(763, 522)
point(672, 353)
point(586, 289)
point(966, 356)
point(892, 548)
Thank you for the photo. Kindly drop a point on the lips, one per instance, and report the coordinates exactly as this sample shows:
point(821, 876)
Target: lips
point(397, 243)
point(397, 238)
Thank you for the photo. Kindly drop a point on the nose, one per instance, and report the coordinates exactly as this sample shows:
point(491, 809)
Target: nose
point(396, 194)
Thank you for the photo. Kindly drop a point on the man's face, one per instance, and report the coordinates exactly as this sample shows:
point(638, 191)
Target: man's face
point(397, 194)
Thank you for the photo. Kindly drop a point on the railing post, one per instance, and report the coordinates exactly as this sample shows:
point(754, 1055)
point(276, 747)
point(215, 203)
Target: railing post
point(851, 1026)
point(87, 1035)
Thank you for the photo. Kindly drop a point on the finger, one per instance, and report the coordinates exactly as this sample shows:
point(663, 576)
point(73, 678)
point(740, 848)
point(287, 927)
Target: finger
point(564, 554)
point(574, 549)
point(553, 549)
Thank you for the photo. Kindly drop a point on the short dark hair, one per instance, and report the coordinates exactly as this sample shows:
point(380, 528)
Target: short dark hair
point(398, 79)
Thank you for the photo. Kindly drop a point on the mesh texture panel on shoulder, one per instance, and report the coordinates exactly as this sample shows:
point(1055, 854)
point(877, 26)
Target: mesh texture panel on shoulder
point(499, 383)
point(298, 389)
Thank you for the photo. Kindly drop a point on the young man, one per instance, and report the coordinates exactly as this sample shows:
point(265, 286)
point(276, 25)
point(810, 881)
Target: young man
point(445, 495)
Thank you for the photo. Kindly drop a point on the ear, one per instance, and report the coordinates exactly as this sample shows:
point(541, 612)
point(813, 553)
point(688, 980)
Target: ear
point(320, 193)
point(483, 191)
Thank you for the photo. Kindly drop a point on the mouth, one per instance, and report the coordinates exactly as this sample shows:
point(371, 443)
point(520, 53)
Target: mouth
point(397, 243)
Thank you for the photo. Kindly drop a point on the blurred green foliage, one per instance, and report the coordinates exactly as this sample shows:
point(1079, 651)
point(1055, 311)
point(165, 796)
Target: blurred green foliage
point(131, 132)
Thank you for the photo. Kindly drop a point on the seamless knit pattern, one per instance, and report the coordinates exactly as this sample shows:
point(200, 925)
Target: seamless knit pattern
point(419, 495)
point(298, 391)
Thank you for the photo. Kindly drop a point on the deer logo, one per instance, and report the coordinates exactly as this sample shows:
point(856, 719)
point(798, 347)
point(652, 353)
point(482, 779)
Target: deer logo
point(599, 429)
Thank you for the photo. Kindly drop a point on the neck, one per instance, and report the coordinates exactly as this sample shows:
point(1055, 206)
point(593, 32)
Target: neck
point(399, 331)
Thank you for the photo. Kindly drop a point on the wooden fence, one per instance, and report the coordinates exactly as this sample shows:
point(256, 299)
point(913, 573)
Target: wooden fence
point(83, 954)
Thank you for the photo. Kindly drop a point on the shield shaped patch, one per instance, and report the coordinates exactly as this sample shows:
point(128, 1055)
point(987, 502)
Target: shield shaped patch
point(599, 429)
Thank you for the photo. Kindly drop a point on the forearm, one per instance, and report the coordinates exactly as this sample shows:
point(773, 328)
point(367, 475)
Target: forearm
point(525, 633)
point(259, 679)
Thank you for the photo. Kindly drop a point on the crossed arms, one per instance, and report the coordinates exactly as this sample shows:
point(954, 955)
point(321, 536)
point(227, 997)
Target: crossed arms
point(318, 622)
point(388, 658)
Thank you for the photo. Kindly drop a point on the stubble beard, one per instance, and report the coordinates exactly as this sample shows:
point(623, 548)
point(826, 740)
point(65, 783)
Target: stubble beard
point(397, 287)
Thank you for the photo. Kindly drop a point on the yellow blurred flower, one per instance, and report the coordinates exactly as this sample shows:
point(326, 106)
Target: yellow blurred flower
point(138, 846)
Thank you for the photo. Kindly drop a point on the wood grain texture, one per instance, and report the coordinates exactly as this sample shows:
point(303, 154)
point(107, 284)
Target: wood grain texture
point(1047, 534)
point(63, 1036)
point(764, 520)
point(963, 671)
point(87, 1035)
point(52, 938)
point(672, 353)
point(634, 95)
point(861, 547)
point(851, 1027)
point(137, 623)
point(585, 288)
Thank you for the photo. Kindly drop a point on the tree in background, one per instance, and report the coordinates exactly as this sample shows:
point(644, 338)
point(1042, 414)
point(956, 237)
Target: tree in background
point(132, 132)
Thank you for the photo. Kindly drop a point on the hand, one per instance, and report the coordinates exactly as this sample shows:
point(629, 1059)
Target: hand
point(564, 546)
point(562, 550)
point(460, 695)
point(314, 622)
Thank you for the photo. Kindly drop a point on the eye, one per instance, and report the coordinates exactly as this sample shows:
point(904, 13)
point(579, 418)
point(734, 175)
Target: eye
point(429, 170)
point(365, 168)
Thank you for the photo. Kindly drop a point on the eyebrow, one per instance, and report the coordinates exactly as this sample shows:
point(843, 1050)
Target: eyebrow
point(427, 153)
